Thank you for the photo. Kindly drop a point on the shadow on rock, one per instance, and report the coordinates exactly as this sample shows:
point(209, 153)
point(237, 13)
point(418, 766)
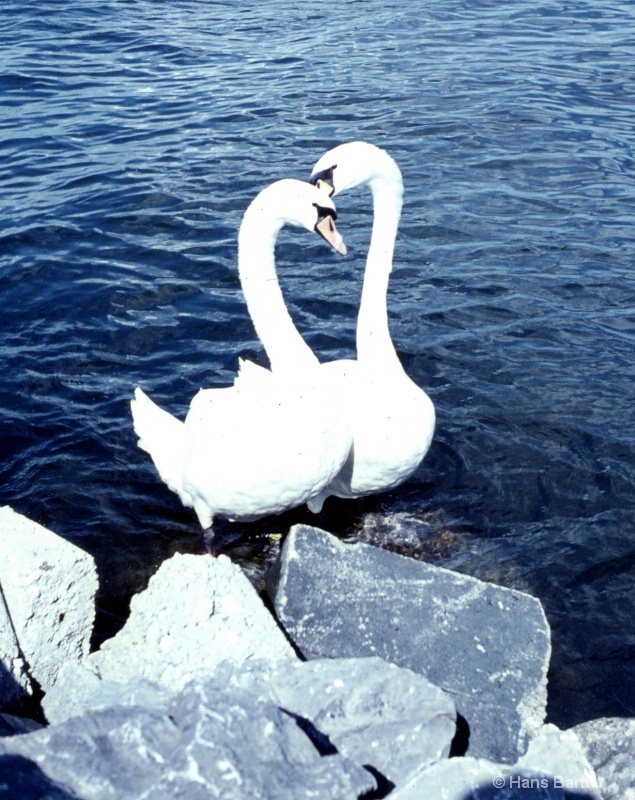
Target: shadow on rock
point(21, 778)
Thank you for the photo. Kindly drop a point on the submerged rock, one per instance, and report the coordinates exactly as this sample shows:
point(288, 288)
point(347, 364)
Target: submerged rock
point(485, 645)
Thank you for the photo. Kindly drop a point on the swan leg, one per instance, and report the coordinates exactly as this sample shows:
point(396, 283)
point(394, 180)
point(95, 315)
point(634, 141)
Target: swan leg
point(208, 541)
point(315, 503)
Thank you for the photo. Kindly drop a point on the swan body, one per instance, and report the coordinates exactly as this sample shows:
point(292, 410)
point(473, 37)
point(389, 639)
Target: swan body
point(392, 419)
point(274, 439)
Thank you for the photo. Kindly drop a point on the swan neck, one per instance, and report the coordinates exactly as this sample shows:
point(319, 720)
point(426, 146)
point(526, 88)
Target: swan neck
point(374, 343)
point(286, 349)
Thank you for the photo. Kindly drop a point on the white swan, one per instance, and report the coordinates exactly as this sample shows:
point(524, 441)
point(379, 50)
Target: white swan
point(276, 438)
point(392, 418)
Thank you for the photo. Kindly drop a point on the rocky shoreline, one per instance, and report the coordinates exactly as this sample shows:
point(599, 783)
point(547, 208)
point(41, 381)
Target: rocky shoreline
point(362, 674)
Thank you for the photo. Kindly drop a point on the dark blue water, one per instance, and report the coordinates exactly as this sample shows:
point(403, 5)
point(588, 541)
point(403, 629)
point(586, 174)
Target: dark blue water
point(132, 137)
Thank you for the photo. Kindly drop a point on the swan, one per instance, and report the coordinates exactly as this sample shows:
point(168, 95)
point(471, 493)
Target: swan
point(392, 419)
point(276, 437)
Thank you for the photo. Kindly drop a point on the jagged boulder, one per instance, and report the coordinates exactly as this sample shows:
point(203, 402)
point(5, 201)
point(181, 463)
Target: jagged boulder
point(49, 588)
point(201, 690)
point(487, 646)
point(79, 690)
point(553, 768)
point(197, 612)
point(609, 744)
point(15, 684)
point(373, 712)
point(479, 779)
point(210, 740)
point(560, 756)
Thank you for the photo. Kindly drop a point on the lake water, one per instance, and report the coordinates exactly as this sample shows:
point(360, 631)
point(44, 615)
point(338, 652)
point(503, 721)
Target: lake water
point(133, 134)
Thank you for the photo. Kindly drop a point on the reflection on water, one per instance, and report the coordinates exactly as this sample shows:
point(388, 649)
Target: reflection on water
point(134, 138)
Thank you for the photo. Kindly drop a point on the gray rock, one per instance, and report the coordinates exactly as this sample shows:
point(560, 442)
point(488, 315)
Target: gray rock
point(554, 766)
point(49, 588)
point(196, 612)
point(560, 755)
point(211, 741)
point(487, 646)
point(373, 712)
point(79, 690)
point(479, 779)
point(609, 744)
point(15, 684)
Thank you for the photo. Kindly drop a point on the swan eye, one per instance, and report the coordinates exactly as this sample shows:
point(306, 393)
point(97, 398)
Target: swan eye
point(324, 181)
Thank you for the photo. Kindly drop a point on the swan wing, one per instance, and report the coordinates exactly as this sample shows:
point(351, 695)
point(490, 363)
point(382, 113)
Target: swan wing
point(265, 450)
point(251, 375)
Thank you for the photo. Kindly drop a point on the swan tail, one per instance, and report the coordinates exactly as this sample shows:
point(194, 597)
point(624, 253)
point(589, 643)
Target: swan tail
point(164, 438)
point(205, 518)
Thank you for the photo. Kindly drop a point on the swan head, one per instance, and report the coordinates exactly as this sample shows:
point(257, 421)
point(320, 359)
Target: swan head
point(355, 163)
point(301, 204)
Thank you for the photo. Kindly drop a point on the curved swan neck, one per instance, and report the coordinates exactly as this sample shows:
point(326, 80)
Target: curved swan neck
point(286, 349)
point(374, 343)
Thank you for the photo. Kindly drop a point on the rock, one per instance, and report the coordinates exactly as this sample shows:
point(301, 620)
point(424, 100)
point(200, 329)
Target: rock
point(211, 741)
point(15, 684)
point(479, 779)
point(196, 612)
point(373, 712)
point(609, 744)
point(14, 726)
point(554, 766)
point(485, 645)
point(79, 690)
point(49, 587)
point(560, 755)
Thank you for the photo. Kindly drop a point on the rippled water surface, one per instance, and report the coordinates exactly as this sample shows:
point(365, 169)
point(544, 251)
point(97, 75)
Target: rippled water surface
point(132, 137)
